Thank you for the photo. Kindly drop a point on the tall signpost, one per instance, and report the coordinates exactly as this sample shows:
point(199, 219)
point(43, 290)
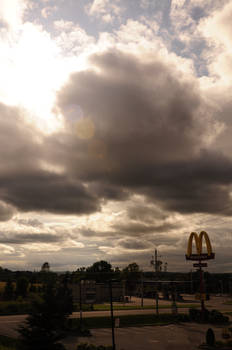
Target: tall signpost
point(199, 256)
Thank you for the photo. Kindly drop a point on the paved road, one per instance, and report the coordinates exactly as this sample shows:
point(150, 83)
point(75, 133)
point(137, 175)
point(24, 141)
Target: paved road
point(9, 324)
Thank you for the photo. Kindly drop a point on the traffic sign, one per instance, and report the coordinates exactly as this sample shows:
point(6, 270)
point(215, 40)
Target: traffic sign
point(200, 265)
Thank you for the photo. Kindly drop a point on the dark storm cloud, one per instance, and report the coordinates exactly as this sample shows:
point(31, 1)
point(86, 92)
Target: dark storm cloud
point(133, 229)
point(198, 185)
point(24, 183)
point(151, 128)
point(44, 191)
point(143, 132)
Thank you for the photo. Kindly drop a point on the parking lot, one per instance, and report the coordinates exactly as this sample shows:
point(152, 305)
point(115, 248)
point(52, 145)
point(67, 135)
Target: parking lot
point(171, 337)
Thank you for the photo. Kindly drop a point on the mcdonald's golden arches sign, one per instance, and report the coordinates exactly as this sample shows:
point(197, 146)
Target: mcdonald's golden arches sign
point(198, 241)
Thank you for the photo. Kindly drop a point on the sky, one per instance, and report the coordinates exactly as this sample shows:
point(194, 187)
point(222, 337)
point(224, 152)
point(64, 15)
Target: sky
point(115, 131)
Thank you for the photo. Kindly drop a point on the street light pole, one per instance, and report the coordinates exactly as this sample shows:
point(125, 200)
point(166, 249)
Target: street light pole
point(157, 301)
point(80, 304)
point(112, 315)
point(142, 290)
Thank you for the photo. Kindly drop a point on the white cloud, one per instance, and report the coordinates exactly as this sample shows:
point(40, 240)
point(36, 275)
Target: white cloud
point(47, 11)
point(218, 33)
point(107, 10)
point(12, 11)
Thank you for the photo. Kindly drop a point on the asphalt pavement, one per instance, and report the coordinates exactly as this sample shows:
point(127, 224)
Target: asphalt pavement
point(184, 336)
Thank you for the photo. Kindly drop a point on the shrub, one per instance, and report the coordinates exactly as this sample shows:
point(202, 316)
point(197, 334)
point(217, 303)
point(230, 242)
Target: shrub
point(7, 342)
point(85, 346)
point(213, 316)
point(216, 317)
point(210, 337)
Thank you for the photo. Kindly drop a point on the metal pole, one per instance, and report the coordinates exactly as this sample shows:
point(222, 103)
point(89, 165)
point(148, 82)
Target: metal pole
point(157, 302)
point(142, 290)
point(202, 289)
point(191, 281)
point(112, 315)
point(80, 304)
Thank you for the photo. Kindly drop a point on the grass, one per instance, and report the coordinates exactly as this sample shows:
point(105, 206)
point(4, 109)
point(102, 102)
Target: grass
point(23, 307)
point(105, 307)
point(14, 307)
point(7, 343)
point(131, 320)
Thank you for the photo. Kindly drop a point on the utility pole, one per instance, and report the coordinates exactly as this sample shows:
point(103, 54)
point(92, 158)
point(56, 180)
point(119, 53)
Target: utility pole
point(156, 263)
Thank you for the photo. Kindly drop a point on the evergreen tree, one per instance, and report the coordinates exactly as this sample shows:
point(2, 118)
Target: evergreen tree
point(46, 324)
point(8, 293)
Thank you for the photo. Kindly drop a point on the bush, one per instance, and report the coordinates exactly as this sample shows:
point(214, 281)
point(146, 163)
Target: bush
point(210, 337)
point(85, 346)
point(7, 342)
point(213, 316)
point(216, 317)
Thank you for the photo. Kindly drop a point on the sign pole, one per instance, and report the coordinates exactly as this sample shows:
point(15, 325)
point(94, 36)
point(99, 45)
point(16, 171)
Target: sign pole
point(201, 289)
point(199, 256)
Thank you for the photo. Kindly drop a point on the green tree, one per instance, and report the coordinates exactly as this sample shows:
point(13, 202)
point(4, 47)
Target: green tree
point(8, 293)
point(131, 274)
point(22, 287)
point(100, 266)
point(46, 324)
point(132, 268)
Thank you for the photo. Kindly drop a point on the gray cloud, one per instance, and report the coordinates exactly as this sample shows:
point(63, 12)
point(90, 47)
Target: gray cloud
point(6, 211)
point(24, 182)
point(151, 129)
point(145, 213)
point(138, 229)
point(25, 238)
point(46, 191)
point(30, 222)
point(134, 244)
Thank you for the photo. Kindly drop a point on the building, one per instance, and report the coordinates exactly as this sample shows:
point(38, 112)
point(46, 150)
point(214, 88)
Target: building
point(93, 292)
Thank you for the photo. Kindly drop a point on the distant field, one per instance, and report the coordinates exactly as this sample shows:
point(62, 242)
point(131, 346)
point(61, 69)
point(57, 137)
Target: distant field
point(2, 286)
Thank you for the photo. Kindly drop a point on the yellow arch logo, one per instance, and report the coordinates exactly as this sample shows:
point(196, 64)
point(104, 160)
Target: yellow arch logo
point(198, 242)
